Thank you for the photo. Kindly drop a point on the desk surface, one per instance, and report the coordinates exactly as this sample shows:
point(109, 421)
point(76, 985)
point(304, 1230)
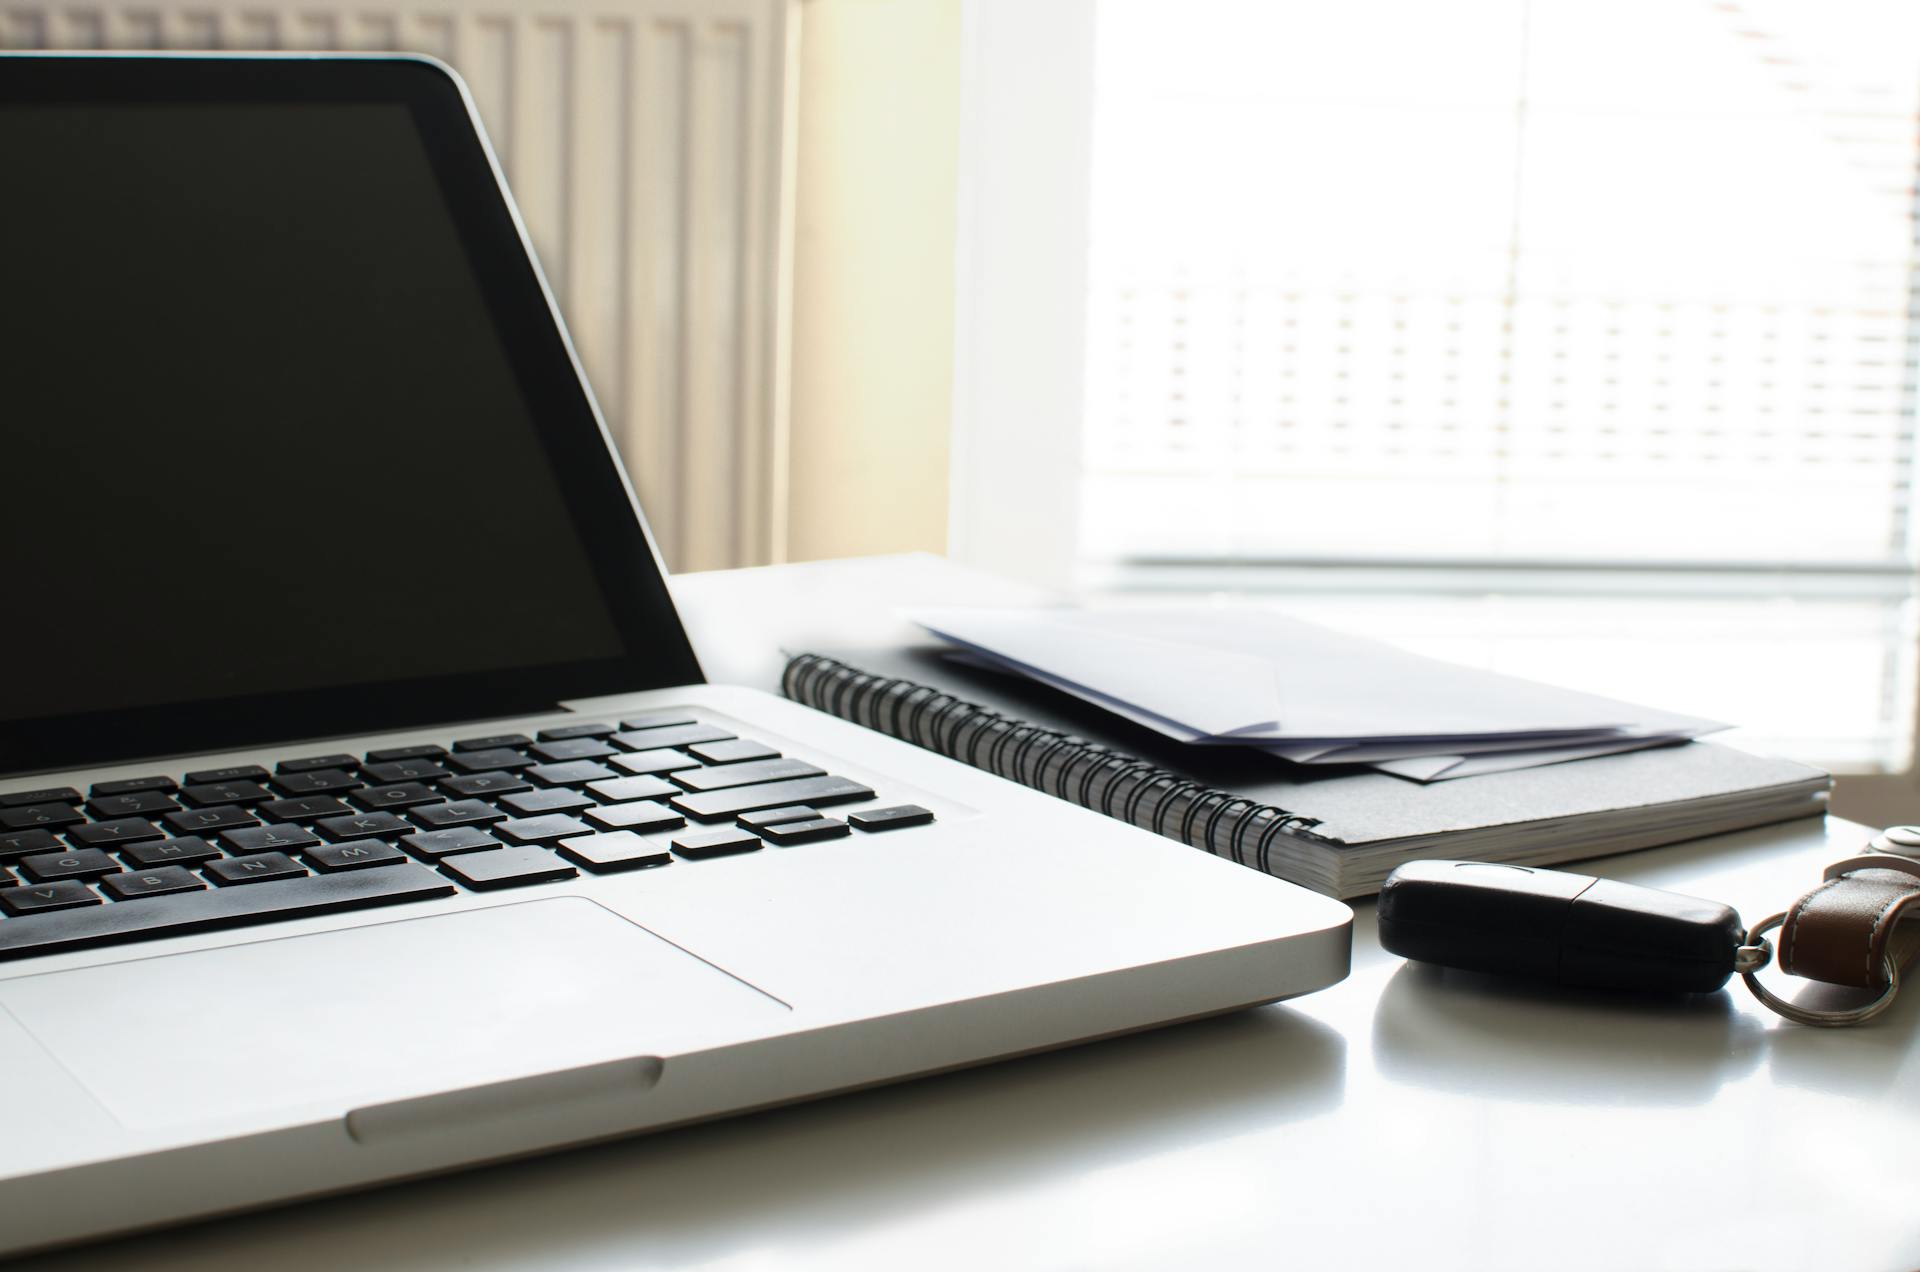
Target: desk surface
point(1406, 1117)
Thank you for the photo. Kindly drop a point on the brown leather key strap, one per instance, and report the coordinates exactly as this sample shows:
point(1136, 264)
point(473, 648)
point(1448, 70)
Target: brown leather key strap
point(1840, 932)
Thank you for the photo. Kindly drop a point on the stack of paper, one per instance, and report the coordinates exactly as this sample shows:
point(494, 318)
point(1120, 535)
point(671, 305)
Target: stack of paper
point(1303, 692)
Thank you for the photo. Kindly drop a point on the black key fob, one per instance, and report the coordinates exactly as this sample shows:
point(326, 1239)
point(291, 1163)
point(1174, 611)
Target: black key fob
point(1571, 929)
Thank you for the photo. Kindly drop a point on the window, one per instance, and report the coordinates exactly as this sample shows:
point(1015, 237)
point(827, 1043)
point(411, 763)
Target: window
point(1501, 280)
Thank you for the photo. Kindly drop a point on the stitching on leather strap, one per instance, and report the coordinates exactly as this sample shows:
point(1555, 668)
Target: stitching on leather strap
point(1873, 933)
point(1788, 947)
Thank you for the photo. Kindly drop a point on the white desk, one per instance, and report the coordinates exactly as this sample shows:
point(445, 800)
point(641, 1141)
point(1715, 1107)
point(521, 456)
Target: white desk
point(1405, 1118)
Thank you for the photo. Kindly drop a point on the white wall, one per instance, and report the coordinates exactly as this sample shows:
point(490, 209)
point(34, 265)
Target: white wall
point(873, 276)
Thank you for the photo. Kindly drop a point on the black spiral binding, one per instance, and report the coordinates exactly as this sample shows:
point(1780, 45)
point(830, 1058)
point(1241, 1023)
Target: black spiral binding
point(1088, 774)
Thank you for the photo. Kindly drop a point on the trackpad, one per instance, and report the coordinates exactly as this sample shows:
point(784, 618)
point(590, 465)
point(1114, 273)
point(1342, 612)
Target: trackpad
point(381, 1012)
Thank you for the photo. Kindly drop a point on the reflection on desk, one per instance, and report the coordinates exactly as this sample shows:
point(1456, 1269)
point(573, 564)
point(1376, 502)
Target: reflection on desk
point(1436, 1028)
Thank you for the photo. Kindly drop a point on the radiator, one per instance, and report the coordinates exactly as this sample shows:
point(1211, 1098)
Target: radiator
point(648, 143)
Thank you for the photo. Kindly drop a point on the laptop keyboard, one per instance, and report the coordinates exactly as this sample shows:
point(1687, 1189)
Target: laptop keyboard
point(152, 857)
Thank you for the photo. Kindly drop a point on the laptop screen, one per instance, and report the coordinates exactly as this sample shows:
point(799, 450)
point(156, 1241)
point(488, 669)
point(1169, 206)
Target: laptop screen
point(275, 427)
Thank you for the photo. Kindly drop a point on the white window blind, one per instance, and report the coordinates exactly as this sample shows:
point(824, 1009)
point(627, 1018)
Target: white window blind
point(1502, 280)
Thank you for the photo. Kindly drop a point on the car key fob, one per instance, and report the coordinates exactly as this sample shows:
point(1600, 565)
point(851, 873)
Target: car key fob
point(1571, 929)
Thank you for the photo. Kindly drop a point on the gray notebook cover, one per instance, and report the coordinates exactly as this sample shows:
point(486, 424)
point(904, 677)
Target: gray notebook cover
point(1356, 805)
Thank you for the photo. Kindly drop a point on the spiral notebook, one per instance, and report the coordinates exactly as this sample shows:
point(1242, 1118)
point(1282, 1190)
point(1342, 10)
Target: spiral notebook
point(1339, 832)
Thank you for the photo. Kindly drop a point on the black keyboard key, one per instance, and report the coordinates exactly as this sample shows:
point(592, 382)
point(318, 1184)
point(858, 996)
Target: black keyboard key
point(806, 832)
point(211, 794)
point(396, 771)
point(664, 760)
point(774, 816)
point(232, 773)
point(570, 773)
point(204, 821)
point(566, 732)
point(894, 818)
point(488, 784)
point(659, 720)
point(165, 881)
point(45, 795)
point(318, 781)
point(281, 837)
point(533, 803)
point(40, 817)
point(620, 789)
point(361, 854)
point(492, 742)
point(714, 843)
point(183, 850)
point(314, 763)
point(111, 834)
point(434, 844)
point(541, 830)
point(639, 815)
point(672, 735)
point(215, 794)
point(818, 791)
point(132, 786)
point(81, 863)
point(571, 749)
point(305, 808)
point(7, 879)
point(459, 812)
point(721, 776)
point(495, 759)
point(506, 868)
point(261, 867)
point(423, 751)
point(616, 850)
point(217, 908)
point(403, 795)
point(363, 826)
point(22, 843)
point(39, 898)
point(138, 804)
point(736, 751)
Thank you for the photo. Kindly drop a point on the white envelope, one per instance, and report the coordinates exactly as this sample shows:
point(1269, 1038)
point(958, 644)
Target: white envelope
point(1230, 692)
point(1445, 768)
point(1456, 748)
point(1252, 676)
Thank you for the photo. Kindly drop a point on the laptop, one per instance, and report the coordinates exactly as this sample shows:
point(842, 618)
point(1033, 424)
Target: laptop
point(363, 810)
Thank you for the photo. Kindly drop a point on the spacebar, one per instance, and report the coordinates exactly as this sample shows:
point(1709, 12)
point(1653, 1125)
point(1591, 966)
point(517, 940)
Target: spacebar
point(151, 918)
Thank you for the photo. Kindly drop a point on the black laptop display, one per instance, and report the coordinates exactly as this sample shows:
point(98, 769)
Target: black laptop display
point(317, 462)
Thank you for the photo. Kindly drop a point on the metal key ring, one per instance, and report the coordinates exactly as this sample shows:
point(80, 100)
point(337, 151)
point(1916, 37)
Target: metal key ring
point(1808, 1016)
